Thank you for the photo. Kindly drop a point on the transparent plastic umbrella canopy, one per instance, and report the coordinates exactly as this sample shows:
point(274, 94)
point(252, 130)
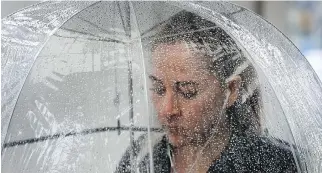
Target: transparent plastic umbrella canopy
point(77, 94)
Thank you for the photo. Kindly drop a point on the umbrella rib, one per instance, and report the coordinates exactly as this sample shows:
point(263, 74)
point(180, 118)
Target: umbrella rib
point(83, 132)
point(126, 29)
point(100, 28)
point(235, 12)
point(92, 35)
point(93, 39)
point(126, 22)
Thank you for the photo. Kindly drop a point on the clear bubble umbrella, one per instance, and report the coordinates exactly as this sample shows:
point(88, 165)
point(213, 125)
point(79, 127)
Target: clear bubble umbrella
point(126, 86)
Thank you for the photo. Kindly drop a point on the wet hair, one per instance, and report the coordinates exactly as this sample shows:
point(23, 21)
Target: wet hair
point(225, 59)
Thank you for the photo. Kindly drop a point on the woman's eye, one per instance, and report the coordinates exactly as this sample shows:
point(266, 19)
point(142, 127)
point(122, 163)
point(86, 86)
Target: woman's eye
point(158, 90)
point(187, 89)
point(189, 95)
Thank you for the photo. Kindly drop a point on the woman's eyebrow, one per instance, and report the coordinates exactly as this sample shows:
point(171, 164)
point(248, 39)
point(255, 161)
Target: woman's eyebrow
point(154, 78)
point(186, 82)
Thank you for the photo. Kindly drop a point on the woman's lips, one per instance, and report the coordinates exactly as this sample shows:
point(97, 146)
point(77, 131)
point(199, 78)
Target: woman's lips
point(176, 130)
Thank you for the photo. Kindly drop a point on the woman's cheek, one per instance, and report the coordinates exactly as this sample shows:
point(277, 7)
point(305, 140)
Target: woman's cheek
point(192, 114)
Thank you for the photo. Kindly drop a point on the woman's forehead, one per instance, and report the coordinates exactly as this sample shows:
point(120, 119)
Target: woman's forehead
point(176, 62)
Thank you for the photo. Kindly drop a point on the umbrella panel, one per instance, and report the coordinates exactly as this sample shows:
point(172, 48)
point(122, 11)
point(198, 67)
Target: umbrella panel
point(76, 79)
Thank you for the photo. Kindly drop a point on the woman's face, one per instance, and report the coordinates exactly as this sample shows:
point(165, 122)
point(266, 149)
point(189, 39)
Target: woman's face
point(187, 97)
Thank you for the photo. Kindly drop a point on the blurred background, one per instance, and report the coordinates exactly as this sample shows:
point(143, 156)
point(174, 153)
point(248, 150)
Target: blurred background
point(300, 21)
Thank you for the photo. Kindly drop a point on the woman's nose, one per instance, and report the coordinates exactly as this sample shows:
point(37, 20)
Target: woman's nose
point(170, 106)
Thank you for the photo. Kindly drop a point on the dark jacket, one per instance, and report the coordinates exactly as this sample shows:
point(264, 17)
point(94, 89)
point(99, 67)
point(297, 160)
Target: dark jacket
point(243, 154)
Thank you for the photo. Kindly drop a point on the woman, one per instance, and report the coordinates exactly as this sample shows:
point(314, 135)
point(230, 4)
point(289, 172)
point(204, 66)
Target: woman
point(207, 98)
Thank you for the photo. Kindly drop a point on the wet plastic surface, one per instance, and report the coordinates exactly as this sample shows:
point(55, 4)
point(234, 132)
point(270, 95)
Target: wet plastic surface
point(77, 91)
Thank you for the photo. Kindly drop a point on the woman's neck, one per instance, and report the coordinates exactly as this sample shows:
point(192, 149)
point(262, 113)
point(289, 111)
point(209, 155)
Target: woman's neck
point(198, 158)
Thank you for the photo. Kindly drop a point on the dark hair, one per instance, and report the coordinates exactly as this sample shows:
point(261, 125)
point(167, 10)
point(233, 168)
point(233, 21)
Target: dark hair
point(226, 59)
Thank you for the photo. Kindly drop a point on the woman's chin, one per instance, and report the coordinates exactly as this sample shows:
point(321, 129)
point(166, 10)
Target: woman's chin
point(175, 140)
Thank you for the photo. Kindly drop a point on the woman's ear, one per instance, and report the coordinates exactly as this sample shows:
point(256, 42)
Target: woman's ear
point(234, 87)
